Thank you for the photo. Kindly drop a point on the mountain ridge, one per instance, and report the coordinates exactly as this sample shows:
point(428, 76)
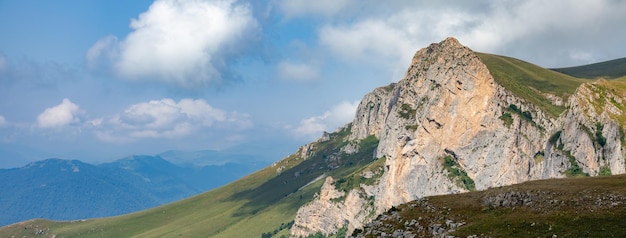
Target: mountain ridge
point(71, 189)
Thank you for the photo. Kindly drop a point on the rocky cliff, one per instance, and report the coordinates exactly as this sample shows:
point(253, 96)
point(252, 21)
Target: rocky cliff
point(448, 127)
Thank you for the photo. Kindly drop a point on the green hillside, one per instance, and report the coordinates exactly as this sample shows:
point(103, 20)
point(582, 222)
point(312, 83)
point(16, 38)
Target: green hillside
point(571, 207)
point(530, 81)
point(263, 202)
point(611, 69)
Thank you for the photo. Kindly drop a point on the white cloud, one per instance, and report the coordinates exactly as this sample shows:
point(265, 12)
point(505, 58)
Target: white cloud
point(368, 39)
point(59, 115)
point(185, 42)
point(166, 118)
point(103, 50)
point(291, 71)
point(336, 117)
point(546, 32)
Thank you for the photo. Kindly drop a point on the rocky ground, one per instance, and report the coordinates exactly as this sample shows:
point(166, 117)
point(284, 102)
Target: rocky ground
point(587, 207)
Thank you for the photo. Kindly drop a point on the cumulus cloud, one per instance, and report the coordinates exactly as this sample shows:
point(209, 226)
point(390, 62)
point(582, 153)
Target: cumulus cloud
point(548, 33)
point(330, 120)
point(167, 118)
point(59, 115)
point(186, 42)
point(292, 71)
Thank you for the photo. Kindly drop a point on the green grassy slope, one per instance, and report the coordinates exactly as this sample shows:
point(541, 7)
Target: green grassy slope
point(608, 69)
point(571, 207)
point(530, 81)
point(263, 202)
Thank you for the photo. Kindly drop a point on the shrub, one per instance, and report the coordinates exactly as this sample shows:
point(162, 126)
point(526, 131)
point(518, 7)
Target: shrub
point(554, 138)
point(605, 171)
point(599, 137)
point(507, 119)
point(455, 172)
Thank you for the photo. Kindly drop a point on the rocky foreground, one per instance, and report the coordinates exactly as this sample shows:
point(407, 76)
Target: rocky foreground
point(578, 207)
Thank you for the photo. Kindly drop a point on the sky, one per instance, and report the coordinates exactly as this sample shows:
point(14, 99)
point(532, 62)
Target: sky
point(101, 80)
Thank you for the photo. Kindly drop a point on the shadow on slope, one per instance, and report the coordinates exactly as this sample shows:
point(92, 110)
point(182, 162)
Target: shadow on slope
point(326, 158)
point(611, 69)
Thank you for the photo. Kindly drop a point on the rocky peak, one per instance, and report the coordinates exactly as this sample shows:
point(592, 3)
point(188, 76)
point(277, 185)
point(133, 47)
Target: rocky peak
point(448, 127)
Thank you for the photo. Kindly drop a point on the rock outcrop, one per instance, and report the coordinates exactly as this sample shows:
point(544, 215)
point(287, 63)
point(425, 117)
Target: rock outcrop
point(449, 127)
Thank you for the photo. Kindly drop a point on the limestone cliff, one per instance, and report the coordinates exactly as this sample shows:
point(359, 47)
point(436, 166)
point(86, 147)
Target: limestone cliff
point(447, 127)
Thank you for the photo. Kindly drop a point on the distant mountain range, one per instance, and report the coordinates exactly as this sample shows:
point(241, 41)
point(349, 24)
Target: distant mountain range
point(70, 189)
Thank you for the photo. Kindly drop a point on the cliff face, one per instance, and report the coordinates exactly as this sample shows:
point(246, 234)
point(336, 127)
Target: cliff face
point(449, 127)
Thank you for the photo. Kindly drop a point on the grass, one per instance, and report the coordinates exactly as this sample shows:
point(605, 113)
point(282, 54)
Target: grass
point(605, 93)
point(611, 69)
point(357, 178)
point(571, 207)
point(530, 81)
point(507, 119)
point(259, 203)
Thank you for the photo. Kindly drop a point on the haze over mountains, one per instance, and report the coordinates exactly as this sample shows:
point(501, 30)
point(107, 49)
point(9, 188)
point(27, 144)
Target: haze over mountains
point(70, 189)
point(458, 121)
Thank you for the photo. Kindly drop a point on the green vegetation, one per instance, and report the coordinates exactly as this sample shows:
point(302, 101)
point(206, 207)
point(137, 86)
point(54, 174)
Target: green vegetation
point(274, 233)
point(456, 173)
point(526, 115)
point(256, 204)
point(357, 178)
point(605, 171)
point(606, 91)
point(555, 138)
point(570, 207)
point(406, 111)
point(612, 69)
point(599, 137)
point(539, 156)
point(411, 127)
point(507, 119)
point(574, 170)
point(530, 81)
point(341, 233)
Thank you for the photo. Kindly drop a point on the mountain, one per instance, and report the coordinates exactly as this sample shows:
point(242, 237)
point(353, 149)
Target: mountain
point(70, 189)
point(458, 121)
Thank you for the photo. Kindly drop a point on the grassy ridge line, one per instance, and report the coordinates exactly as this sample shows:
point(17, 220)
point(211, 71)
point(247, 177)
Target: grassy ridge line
point(611, 69)
point(530, 81)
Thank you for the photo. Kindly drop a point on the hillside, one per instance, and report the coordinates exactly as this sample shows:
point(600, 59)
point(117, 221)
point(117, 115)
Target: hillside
point(611, 69)
point(572, 207)
point(458, 121)
point(259, 203)
point(69, 190)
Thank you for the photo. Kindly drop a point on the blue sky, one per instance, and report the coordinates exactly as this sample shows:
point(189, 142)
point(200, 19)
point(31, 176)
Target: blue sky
point(100, 80)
